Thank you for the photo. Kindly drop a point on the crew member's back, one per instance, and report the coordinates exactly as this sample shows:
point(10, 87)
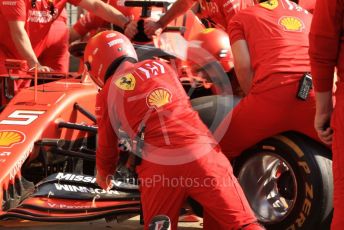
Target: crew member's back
point(152, 89)
point(277, 34)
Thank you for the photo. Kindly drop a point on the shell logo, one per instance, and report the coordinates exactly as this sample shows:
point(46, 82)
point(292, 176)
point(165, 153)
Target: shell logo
point(8, 138)
point(291, 23)
point(158, 98)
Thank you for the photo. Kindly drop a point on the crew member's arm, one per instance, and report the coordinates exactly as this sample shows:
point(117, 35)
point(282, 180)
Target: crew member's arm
point(84, 25)
point(110, 14)
point(242, 65)
point(324, 40)
point(15, 16)
point(74, 35)
point(177, 9)
point(22, 42)
point(107, 153)
point(324, 108)
point(241, 54)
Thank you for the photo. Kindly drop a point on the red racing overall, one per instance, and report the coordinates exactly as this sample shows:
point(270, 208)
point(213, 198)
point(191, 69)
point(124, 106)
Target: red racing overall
point(279, 58)
point(180, 157)
point(327, 52)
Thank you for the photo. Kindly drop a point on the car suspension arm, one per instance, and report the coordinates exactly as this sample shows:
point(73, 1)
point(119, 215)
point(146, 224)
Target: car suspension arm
point(81, 127)
point(74, 154)
point(84, 111)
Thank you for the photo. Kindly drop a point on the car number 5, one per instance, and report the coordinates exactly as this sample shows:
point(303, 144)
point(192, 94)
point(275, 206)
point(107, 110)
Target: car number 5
point(22, 117)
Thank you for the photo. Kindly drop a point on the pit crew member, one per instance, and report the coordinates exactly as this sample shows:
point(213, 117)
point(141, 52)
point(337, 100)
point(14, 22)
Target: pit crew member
point(146, 99)
point(91, 22)
point(326, 54)
point(27, 23)
point(219, 12)
point(55, 53)
point(269, 43)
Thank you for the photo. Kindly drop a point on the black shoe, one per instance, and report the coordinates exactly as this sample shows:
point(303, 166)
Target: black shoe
point(160, 222)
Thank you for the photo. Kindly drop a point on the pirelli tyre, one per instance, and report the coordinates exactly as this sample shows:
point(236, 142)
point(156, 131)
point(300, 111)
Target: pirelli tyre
point(287, 180)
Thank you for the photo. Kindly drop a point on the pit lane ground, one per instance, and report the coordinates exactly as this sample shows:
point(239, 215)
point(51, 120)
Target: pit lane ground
point(131, 224)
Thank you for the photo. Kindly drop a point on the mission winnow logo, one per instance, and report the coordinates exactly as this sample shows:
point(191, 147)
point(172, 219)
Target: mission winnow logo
point(82, 189)
point(77, 178)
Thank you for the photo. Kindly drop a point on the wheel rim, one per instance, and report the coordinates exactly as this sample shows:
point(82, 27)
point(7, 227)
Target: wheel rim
point(270, 186)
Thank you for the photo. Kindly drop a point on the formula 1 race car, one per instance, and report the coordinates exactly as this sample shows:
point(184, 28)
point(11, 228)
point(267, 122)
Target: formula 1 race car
point(48, 141)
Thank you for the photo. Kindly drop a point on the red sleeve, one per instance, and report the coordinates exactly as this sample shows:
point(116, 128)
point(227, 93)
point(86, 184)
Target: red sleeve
point(107, 153)
point(230, 8)
point(87, 23)
point(13, 10)
point(235, 29)
point(74, 2)
point(324, 40)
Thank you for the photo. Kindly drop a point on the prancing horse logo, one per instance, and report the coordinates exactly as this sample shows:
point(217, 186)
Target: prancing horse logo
point(126, 82)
